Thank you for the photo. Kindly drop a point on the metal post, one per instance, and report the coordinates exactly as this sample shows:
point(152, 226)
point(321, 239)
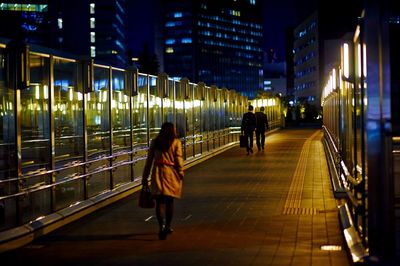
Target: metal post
point(87, 73)
point(52, 132)
point(110, 123)
point(18, 79)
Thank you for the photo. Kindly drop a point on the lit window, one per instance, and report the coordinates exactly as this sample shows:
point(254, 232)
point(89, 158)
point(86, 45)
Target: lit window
point(170, 41)
point(234, 13)
point(60, 23)
point(252, 2)
point(187, 40)
point(114, 52)
point(92, 23)
point(178, 15)
point(92, 37)
point(92, 51)
point(169, 50)
point(23, 7)
point(92, 7)
point(118, 43)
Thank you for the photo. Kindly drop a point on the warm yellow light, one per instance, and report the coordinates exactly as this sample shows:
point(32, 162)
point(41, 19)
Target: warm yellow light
point(346, 67)
point(37, 92)
point(365, 59)
point(104, 97)
point(45, 92)
point(331, 247)
point(359, 59)
point(179, 104)
point(196, 103)
point(119, 96)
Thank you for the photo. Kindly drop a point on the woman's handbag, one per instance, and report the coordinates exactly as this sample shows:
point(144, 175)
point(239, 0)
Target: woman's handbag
point(145, 198)
point(243, 141)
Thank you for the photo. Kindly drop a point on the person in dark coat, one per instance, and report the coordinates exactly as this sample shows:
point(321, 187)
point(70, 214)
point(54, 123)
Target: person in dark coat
point(261, 127)
point(248, 126)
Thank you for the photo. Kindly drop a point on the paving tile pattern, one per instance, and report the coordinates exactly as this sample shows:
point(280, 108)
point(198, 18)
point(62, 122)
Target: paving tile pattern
point(269, 208)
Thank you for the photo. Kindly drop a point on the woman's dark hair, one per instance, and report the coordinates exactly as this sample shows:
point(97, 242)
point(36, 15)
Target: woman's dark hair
point(166, 136)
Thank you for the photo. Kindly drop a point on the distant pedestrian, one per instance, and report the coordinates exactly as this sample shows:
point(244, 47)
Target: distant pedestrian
point(166, 156)
point(261, 127)
point(248, 126)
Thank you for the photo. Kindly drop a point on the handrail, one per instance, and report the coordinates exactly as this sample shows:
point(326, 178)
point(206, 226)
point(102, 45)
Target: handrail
point(72, 165)
point(74, 178)
point(348, 176)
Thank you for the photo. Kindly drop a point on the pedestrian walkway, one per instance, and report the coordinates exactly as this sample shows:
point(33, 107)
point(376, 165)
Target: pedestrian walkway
point(269, 208)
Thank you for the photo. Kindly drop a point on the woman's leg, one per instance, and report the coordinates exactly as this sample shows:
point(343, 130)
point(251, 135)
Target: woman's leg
point(169, 212)
point(160, 211)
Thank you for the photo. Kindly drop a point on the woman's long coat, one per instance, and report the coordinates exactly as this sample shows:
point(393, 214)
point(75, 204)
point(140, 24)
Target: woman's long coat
point(167, 173)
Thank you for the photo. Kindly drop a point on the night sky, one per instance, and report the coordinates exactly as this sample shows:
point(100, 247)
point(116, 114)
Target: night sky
point(278, 16)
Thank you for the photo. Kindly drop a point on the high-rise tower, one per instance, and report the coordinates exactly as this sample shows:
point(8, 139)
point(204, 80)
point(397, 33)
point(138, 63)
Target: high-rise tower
point(217, 42)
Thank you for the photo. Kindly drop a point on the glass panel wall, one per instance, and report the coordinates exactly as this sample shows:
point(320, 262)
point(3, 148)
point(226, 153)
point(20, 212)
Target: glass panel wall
point(139, 125)
point(180, 116)
point(68, 132)
point(155, 108)
point(121, 121)
point(35, 137)
point(168, 103)
point(218, 119)
point(189, 137)
point(98, 131)
point(83, 137)
point(197, 133)
point(205, 121)
point(8, 158)
point(211, 111)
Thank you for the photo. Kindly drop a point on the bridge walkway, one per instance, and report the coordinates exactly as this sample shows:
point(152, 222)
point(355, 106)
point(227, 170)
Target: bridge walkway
point(273, 207)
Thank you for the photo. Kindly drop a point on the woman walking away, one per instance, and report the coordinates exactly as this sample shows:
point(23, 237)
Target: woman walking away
point(165, 154)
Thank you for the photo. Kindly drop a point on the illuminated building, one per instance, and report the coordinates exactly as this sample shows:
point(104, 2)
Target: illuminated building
point(30, 22)
point(92, 28)
point(329, 22)
point(217, 42)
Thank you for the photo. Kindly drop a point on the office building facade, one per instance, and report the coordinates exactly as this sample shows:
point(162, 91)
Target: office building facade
point(307, 61)
point(329, 22)
point(25, 21)
point(90, 28)
point(216, 42)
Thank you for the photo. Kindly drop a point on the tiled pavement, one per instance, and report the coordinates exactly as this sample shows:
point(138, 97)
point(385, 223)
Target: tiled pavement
point(269, 208)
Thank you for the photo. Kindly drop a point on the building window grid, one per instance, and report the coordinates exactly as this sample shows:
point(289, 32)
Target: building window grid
point(23, 7)
point(228, 29)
